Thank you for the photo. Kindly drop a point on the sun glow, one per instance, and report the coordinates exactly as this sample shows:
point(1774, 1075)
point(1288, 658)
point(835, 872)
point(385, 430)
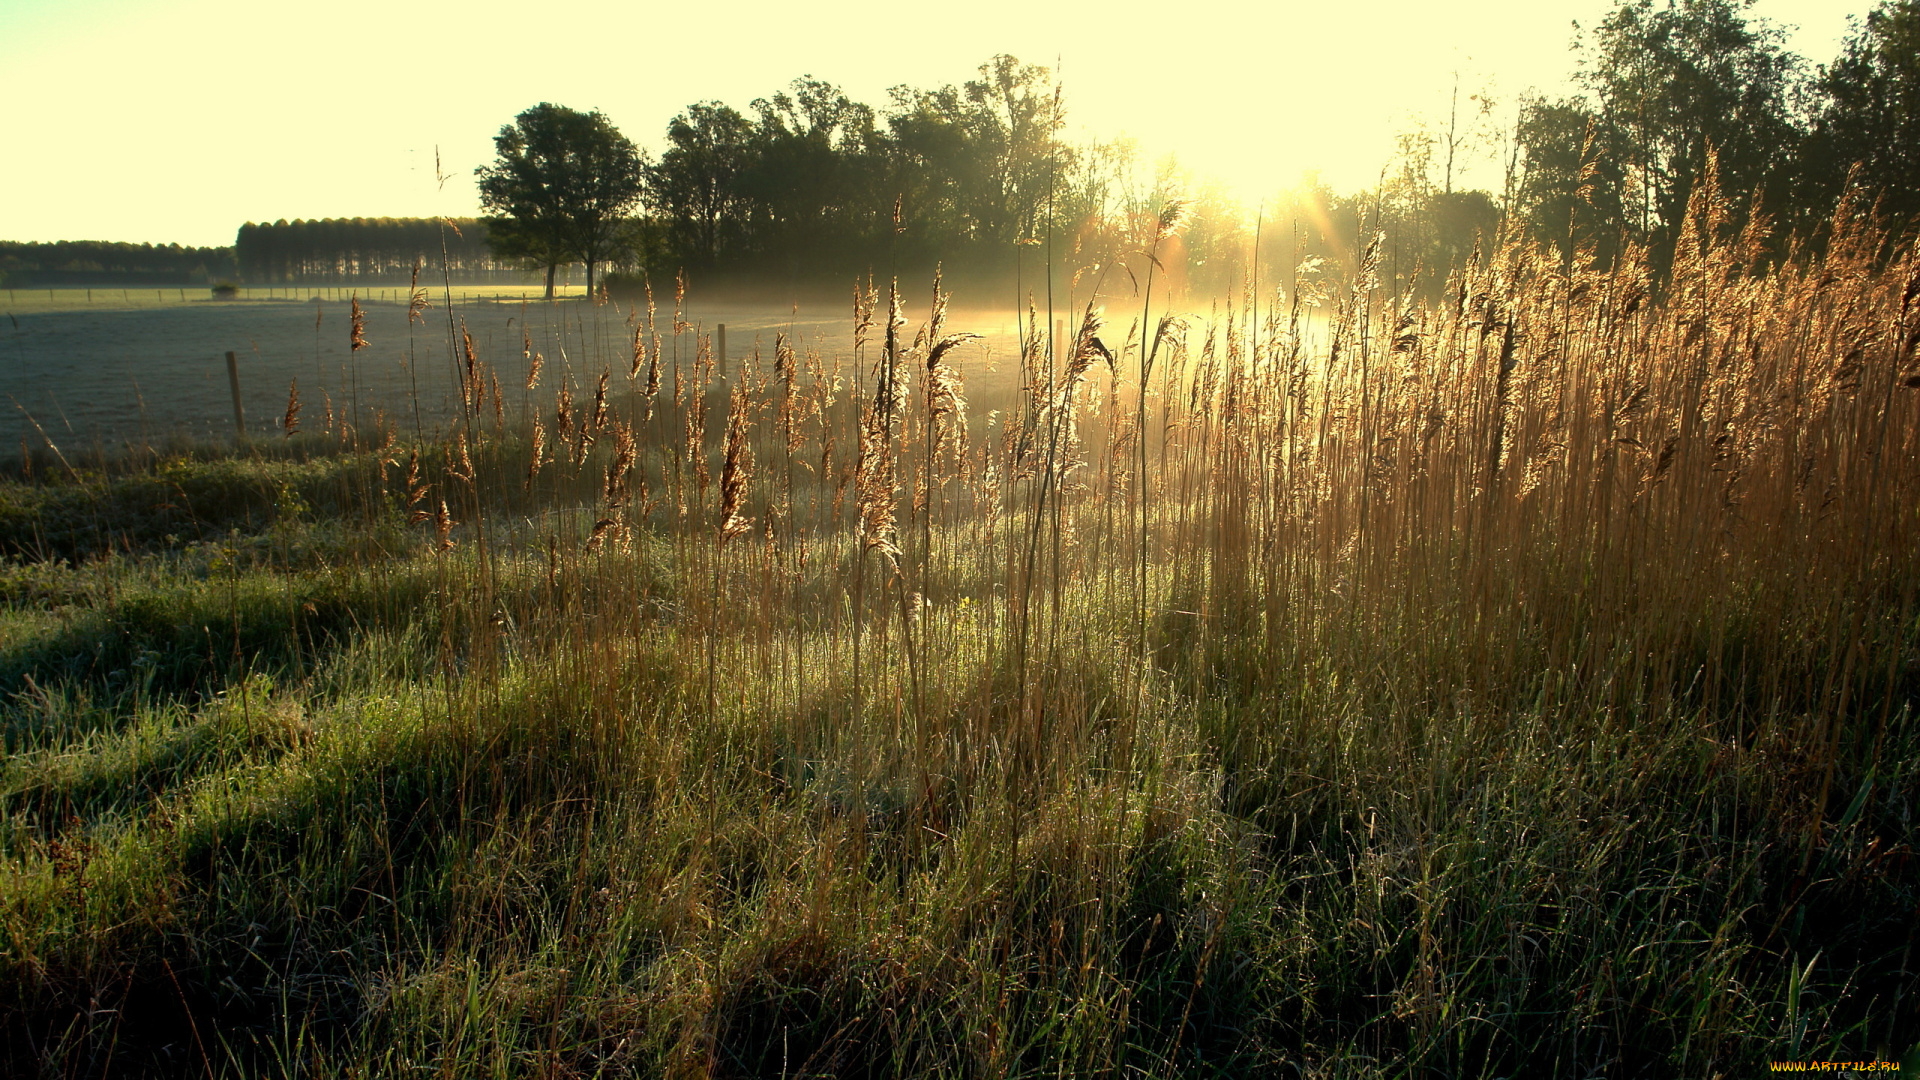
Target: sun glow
point(195, 120)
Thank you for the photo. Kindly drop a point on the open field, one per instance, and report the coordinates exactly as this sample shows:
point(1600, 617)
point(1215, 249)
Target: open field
point(103, 298)
point(100, 378)
point(1527, 683)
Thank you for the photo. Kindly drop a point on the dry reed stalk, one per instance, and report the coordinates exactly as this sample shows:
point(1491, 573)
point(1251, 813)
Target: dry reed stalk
point(417, 302)
point(563, 418)
point(459, 460)
point(737, 466)
point(472, 386)
point(416, 489)
point(653, 378)
point(1087, 350)
point(599, 415)
point(538, 452)
point(875, 469)
point(601, 530)
point(946, 399)
point(865, 302)
point(786, 369)
point(873, 495)
point(290, 422)
point(443, 524)
point(695, 408)
point(625, 450)
point(890, 392)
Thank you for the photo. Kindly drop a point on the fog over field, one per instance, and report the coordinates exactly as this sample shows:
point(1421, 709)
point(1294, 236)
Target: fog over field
point(100, 376)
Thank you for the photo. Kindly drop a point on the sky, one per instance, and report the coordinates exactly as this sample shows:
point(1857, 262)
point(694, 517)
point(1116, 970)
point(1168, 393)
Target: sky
point(174, 121)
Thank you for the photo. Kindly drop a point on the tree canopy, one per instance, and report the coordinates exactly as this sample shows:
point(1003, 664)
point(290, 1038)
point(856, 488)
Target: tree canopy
point(91, 262)
point(339, 250)
point(561, 189)
point(1867, 114)
point(1667, 91)
point(1667, 85)
point(808, 178)
point(808, 182)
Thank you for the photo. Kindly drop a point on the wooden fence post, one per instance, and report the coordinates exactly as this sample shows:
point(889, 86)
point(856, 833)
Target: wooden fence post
point(233, 380)
point(720, 347)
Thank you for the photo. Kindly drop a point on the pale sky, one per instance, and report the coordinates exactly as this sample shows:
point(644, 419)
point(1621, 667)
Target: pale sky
point(177, 120)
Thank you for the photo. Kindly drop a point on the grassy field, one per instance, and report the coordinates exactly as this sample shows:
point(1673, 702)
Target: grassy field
point(1523, 683)
point(109, 380)
point(23, 301)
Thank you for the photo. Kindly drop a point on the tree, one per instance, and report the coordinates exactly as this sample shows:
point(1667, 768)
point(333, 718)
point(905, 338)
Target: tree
point(697, 184)
point(562, 188)
point(934, 165)
point(810, 175)
point(1431, 226)
point(1016, 120)
point(1866, 110)
point(1680, 81)
point(1570, 191)
point(520, 241)
point(1667, 85)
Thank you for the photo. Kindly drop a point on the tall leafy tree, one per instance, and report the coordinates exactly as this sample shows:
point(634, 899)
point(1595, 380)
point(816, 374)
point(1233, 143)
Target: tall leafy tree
point(697, 184)
point(1431, 226)
point(1866, 111)
point(1668, 82)
point(1016, 121)
point(562, 188)
point(810, 174)
point(934, 165)
point(984, 157)
point(812, 177)
point(1570, 192)
point(1681, 80)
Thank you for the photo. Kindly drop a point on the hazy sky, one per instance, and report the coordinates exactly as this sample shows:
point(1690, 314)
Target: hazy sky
point(176, 120)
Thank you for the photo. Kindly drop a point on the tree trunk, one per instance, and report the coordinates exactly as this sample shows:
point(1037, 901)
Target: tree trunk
point(590, 296)
point(551, 267)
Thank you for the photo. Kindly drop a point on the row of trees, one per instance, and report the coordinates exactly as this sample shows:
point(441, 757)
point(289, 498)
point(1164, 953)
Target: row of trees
point(340, 250)
point(93, 262)
point(1668, 87)
point(810, 181)
point(810, 175)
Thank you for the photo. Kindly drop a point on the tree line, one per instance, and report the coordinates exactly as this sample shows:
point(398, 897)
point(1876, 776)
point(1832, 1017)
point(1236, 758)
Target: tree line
point(95, 262)
point(808, 181)
point(343, 250)
point(810, 184)
point(1670, 92)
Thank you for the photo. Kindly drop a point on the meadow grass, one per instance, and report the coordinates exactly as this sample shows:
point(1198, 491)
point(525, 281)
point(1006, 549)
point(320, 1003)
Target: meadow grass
point(1520, 681)
point(71, 298)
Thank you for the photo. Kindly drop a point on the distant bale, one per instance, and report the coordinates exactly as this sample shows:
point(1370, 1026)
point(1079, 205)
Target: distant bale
point(225, 290)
